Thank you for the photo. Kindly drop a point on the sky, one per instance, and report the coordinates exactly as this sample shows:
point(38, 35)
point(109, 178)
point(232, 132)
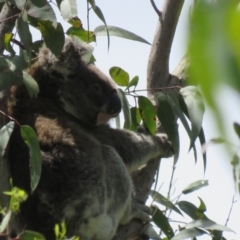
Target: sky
point(140, 18)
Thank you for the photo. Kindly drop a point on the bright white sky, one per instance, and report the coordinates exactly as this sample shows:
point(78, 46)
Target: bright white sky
point(140, 18)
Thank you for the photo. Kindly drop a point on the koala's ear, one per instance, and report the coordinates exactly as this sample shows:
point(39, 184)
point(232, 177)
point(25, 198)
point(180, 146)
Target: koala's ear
point(75, 54)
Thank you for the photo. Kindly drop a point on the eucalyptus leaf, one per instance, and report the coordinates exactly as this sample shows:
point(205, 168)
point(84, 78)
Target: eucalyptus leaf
point(166, 117)
point(30, 84)
point(5, 134)
point(162, 222)
point(208, 224)
point(30, 235)
point(68, 9)
point(126, 109)
point(195, 186)
point(188, 234)
point(5, 221)
point(31, 140)
point(118, 32)
point(120, 76)
point(147, 113)
point(164, 201)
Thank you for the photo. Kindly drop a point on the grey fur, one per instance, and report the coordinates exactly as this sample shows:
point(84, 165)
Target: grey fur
point(86, 164)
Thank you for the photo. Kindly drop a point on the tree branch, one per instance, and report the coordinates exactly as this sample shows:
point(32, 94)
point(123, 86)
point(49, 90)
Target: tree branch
point(157, 76)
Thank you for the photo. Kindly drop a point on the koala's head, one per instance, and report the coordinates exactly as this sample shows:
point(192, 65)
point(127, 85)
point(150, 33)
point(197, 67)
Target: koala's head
point(83, 90)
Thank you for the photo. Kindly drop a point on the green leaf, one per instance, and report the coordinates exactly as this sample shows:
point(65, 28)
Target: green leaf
point(133, 82)
point(5, 221)
point(195, 186)
point(191, 210)
point(172, 99)
point(7, 43)
point(166, 117)
point(9, 73)
point(195, 109)
point(30, 84)
point(151, 233)
point(5, 134)
point(53, 36)
point(135, 118)
point(30, 235)
point(118, 32)
point(30, 138)
point(236, 127)
point(80, 32)
point(208, 224)
point(188, 234)
point(202, 207)
point(203, 143)
point(162, 222)
point(99, 13)
point(24, 33)
point(39, 9)
point(119, 76)
point(126, 110)
point(164, 201)
point(68, 9)
point(147, 113)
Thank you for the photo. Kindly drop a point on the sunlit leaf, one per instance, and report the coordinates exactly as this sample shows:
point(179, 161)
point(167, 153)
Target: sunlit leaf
point(5, 221)
point(164, 201)
point(202, 207)
point(162, 222)
point(30, 235)
point(39, 9)
point(53, 36)
point(119, 76)
point(133, 83)
point(147, 113)
point(30, 138)
point(166, 117)
point(68, 9)
point(126, 109)
point(86, 36)
point(195, 109)
point(195, 186)
point(30, 84)
point(7, 43)
point(188, 234)
point(5, 134)
point(118, 32)
point(208, 224)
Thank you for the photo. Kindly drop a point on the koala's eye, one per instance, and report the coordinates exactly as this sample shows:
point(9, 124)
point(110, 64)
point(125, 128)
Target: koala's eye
point(96, 87)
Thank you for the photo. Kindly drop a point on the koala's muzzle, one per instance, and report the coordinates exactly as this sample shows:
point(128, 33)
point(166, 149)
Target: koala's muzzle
point(111, 108)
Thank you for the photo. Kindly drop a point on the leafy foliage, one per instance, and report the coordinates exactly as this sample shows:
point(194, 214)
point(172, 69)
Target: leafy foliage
point(214, 55)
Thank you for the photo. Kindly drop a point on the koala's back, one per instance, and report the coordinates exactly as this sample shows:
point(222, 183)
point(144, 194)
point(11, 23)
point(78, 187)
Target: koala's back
point(79, 176)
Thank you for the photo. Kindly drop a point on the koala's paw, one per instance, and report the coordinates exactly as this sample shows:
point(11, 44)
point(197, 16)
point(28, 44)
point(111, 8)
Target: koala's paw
point(166, 148)
point(140, 211)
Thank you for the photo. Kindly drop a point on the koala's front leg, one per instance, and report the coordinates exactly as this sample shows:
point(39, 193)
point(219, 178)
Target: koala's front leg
point(135, 149)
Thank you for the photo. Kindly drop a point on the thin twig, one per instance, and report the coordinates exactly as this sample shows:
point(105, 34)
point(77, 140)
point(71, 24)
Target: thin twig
point(229, 214)
point(171, 181)
point(159, 13)
point(11, 118)
point(5, 19)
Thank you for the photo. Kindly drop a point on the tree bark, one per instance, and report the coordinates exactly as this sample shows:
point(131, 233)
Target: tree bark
point(158, 76)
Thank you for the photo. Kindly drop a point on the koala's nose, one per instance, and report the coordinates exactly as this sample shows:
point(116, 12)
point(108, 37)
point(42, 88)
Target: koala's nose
point(114, 105)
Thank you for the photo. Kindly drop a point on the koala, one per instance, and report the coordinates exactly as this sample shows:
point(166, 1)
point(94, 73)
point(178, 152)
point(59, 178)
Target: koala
point(86, 164)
